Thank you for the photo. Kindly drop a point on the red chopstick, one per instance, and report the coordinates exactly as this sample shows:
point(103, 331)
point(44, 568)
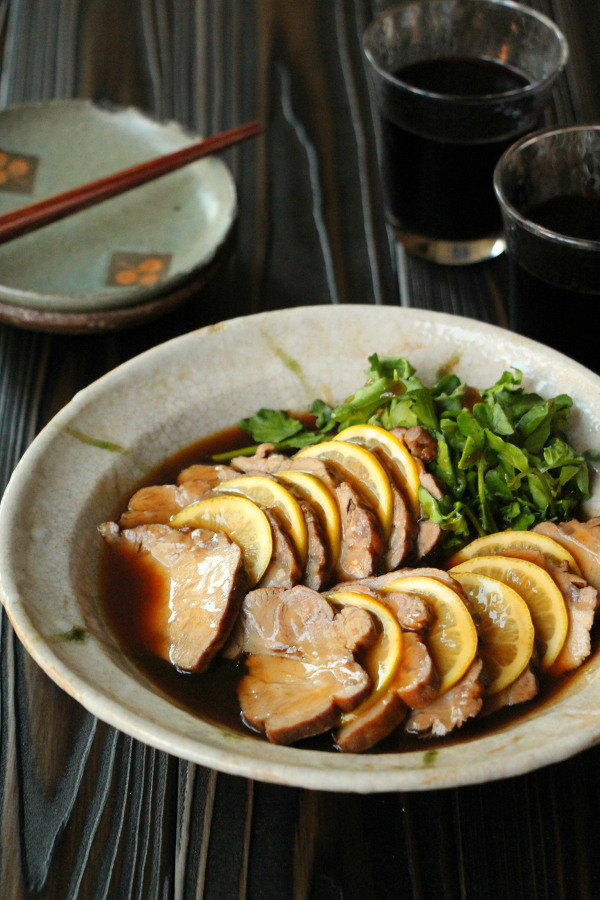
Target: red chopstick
point(35, 215)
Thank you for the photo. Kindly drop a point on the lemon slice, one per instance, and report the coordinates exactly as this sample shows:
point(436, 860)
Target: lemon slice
point(539, 591)
point(312, 489)
point(504, 627)
point(402, 463)
point(362, 467)
point(384, 656)
point(505, 542)
point(269, 494)
point(241, 519)
point(452, 638)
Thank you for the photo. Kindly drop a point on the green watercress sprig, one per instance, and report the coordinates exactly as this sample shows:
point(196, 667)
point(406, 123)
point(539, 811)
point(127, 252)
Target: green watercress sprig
point(502, 458)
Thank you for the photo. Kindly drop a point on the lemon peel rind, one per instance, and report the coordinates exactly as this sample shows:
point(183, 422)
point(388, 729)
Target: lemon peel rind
point(251, 486)
point(400, 457)
point(315, 491)
point(524, 657)
point(501, 542)
point(497, 566)
point(391, 627)
point(437, 593)
point(208, 513)
point(381, 495)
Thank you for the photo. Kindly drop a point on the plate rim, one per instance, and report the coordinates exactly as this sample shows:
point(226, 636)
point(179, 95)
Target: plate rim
point(44, 308)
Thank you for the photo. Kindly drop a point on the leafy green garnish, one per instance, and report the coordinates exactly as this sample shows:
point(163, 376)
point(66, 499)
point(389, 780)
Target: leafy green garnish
point(271, 425)
point(502, 461)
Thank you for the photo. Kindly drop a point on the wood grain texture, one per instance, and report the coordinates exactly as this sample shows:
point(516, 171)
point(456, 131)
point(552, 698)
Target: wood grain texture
point(84, 810)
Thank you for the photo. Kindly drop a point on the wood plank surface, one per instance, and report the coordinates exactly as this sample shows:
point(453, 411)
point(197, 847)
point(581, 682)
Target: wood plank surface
point(86, 811)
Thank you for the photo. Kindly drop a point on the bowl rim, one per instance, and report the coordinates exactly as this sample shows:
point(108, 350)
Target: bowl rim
point(292, 766)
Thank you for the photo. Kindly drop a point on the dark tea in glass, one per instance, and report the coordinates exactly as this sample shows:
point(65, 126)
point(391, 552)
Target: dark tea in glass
point(424, 177)
point(548, 186)
point(456, 82)
point(557, 315)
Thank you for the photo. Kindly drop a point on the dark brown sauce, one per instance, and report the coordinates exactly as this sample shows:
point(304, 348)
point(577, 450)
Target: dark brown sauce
point(130, 592)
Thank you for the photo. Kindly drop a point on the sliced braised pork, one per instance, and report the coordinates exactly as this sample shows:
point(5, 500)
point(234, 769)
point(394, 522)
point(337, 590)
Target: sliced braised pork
point(582, 540)
point(452, 708)
point(204, 584)
point(414, 685)
point(581, 600)
point(264, 462)
point(413, 612)
point(523, 688)
point(418, 441)
point(155, 504)
point(318, 564)
point(211, 475)
point(284, 569)
point(362, 549)
point(404, 532)
point(302, 673)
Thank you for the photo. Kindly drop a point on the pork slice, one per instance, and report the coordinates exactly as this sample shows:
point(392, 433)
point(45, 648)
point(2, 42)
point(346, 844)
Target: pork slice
point(295, 622)
point(373, 723)
point(523, 688)
point(362, 546)
point(418, 441)
point(404, 531)
point(581, 600)
point(427, 571)
point(452, 708)
point(270, 463)
point(582, 540)
point(429, 533)
point(264, 462)
point(413, 612)
point(318, 562)
point(284, 568)
point(211, 475)
point(404, 528)
point(155, 504)
point(418, 681)
point(428, 537)
point(415, 684)
point(423, 448)
point(301, 668)
point(290, 699)
point(204, 585)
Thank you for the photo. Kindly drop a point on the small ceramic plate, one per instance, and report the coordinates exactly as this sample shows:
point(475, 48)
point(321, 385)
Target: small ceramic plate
point(97, 449)
point(118, 255)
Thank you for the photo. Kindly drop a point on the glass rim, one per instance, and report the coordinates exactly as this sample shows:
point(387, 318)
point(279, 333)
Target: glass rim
point(532, 87)
point(520, 218)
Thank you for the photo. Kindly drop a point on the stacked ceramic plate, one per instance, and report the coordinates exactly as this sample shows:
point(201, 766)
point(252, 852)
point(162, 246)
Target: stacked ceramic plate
point(125, 260)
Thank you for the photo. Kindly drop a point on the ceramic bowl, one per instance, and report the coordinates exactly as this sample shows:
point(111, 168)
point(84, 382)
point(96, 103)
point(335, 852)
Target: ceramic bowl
point(95, 451)
point(119, 254)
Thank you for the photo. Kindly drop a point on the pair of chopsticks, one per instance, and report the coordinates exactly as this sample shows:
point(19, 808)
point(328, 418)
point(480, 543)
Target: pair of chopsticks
point(28, 218)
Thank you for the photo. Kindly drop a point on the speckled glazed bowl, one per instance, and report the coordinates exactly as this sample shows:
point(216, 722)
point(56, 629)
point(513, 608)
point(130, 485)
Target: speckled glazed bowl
point(101, 444)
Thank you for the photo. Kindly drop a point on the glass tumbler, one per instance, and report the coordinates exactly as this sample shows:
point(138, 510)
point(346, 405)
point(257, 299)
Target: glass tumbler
point(455, 83)
point(548, 187)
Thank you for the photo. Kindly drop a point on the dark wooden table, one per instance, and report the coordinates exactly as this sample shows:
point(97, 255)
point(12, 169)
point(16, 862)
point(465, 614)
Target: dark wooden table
point(86, 811)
